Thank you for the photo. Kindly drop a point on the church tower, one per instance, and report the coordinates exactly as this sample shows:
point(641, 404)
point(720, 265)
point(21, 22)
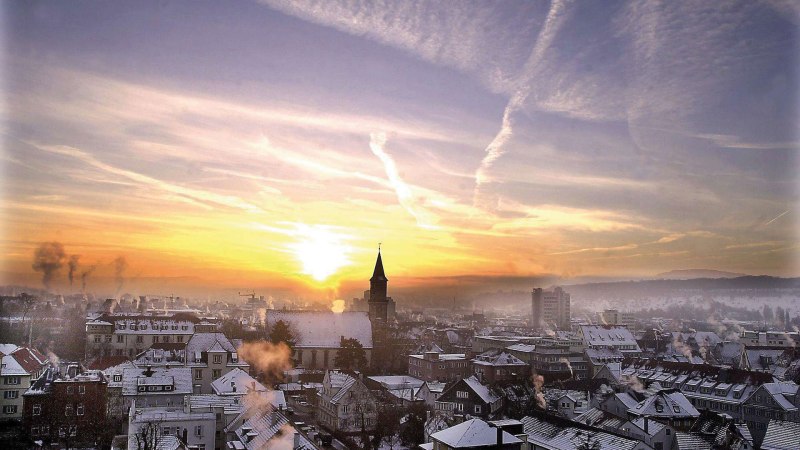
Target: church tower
point(378, 301)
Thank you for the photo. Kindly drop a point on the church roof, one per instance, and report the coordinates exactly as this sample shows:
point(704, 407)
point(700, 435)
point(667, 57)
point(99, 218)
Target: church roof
point(378, 274)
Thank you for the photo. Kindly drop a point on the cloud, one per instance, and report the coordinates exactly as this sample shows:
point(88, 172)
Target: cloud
point(405, 196)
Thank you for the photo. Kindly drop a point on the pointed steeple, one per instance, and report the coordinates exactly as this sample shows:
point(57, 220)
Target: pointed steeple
point(378, 274)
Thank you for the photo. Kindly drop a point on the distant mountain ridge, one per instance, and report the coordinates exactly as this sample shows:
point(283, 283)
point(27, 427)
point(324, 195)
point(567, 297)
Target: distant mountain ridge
point(690, 274)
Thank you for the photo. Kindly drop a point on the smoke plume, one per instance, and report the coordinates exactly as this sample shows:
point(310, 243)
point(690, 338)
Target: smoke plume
point(84, 276)
point(538, 383)
point(73, 267)
point(270, 359)
point(569, 366)
point(48, 259)
point(634, 383)
point(120, 264)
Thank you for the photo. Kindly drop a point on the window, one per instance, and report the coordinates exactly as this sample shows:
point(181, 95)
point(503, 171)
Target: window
point(37, 409)
point(669, 431)
point(217, 359)
point(10, 409)
point(96, 339)
point(166, 339)
point(45, 429)
point(216, 373)
point(460, 406)
point(120, 339)
point(155, 339)
point(62, 431)
point(73, 430)
point(139, 339)
point(179, 338)
point(70, 389)
point(81, 389)
point(10, 394)
point(34, 431)
point(117, 377)
point(166, 431)
point(80, 409)
point(462, 394)
point(68, 410)
point(198, 374)
point(198, 430)
point(108, 338)
point(477, 409)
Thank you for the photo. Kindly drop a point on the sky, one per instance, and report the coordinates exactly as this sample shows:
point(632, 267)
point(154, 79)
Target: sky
point(275, 143)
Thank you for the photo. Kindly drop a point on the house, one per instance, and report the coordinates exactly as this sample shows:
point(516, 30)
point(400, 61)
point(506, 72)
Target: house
point(572, 403)
point(496, 366)
point(474, 434)
point(237, 382)
point(19, 368)
point(619, 404)
point(345, 404)
point(397, 389)
point(318, 334)
point(429, 392)
point(195, 429)
point(435, 366)
point(714, 431)
point(210, 356)
point(668, 406)
point(67, 405)
point(159, 386)
point(771, 401)
point(266, 429)
point(117, 406)
point(469, 396)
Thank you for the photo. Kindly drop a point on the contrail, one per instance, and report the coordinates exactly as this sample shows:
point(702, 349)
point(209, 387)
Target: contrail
point(777, 217)
point(495, 150)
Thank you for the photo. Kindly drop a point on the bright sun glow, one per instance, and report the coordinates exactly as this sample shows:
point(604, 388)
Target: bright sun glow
point(321, 251)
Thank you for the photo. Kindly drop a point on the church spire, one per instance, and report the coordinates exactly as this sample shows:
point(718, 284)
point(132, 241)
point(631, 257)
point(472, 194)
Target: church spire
point(378, 274)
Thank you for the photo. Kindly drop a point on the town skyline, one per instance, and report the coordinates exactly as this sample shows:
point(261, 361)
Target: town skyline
point(279, 145)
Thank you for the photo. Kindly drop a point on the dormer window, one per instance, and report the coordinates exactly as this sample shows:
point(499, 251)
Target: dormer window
point(117, 378)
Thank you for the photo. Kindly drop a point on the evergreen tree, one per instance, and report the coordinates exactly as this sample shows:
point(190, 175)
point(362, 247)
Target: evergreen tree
point(282, 332)
point(351, 355)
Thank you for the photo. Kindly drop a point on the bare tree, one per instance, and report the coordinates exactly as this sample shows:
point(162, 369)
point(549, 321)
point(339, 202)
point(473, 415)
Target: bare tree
point(148, 436)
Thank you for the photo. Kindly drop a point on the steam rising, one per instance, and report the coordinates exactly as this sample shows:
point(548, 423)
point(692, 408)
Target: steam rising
point(569, 366)
point(538, 383)
point(48, 259)
point(84, 276)
point(338, 306)
point(634, 383)
point(271, 359)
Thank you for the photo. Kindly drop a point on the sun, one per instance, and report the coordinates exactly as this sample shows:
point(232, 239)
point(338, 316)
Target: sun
point(321, 251)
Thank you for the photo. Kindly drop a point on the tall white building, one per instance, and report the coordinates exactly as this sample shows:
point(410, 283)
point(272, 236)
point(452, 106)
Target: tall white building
point(550, 309)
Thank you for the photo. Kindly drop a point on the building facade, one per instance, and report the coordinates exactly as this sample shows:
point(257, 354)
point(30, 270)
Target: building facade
point(550, 309)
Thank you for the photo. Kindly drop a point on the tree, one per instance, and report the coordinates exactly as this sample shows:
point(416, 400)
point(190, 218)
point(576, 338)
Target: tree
point(148, 436)
point(412, 433)
point(769, 316)
point(351, 355)
point(387, 424)
point(282, 332)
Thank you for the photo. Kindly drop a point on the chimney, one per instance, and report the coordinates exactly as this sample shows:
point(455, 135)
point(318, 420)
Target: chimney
point(646, 426)
point(233, 386)
point(499, 437)
point(296, 440)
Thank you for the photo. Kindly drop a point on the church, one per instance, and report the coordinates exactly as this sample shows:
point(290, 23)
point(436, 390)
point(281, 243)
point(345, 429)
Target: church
point(318, 334)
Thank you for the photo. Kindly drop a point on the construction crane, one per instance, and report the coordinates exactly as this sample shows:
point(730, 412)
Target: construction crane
point(252, 295)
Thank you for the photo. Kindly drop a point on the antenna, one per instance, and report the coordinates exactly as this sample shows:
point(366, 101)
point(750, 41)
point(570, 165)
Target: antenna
point(379, 247)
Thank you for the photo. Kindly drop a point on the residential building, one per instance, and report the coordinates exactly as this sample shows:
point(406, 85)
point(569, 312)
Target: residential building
point(156, 386)
point(550, 309)
point(469, 397)
point(195, 429)
point(266, 429)
point(435, 366)
point(210, 356)
point(345, 404)
point(779, 401)
point(500, 367)
point(546, 432)
point(617, 317)
point(67, 406)
point(609, 337)
point(19, 368)
point(781, 435)
point(476, 434)
point(129, 334)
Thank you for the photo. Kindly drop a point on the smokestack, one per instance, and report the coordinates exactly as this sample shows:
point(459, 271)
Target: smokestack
point(499, 437)
point(646, 426)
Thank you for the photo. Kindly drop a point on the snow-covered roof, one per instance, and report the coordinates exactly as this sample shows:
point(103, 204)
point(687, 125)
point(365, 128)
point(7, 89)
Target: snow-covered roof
point(204, 342)
point(492, 358)
point(7, 349)
point(665, 404)
point(10, 366)
point(482, 391)
point(781, 435)
point(269, 429)
point(179, 378)
point(608, 336)
point(397, 381)
point(236, 382)
point(324, 329)
point(473, 433)
point(556, 436)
